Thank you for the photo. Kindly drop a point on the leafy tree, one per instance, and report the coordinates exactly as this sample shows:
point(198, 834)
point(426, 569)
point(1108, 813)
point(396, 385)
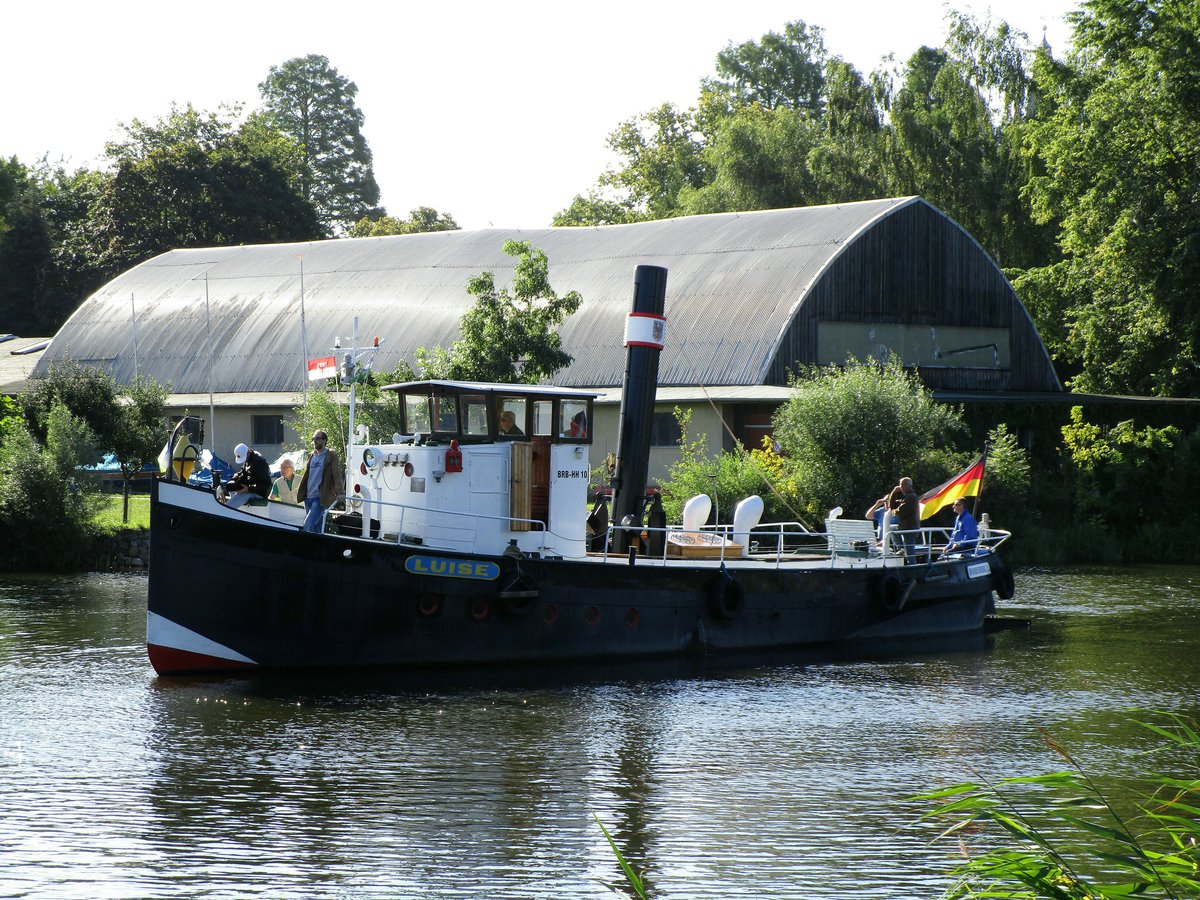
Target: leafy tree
point(26, 261)
point(779, 70)
point(307, 99)
point(46, 508)
point(852, 432)
point(420, 220)
point(139, 431)
point(1120, 471)
point(1118, 132)
point(192, 180)
point(662, 150)
point(129, 422)
point(508, 337)
point(595, 209)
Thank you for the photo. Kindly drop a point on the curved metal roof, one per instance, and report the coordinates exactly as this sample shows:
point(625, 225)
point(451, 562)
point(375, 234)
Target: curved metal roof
point(734, 285)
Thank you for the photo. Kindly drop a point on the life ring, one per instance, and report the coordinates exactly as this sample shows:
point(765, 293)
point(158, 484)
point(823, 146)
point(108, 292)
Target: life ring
point(1002, 580)
point(727, 597)
point(892, 593)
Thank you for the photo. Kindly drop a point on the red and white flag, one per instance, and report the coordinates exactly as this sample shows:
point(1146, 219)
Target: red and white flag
point(326, 367)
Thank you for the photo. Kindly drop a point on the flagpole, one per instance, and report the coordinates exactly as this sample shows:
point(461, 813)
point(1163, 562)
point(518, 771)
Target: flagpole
point(983, 475)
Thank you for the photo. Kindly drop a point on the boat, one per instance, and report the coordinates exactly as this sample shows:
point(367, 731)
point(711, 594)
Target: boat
point(459, 544)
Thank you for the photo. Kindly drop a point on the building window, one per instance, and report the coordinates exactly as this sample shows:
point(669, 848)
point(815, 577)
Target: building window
point(266, 430)
point(664, 432)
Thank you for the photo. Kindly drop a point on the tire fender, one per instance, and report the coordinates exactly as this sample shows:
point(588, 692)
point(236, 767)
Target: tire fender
point(727, 597)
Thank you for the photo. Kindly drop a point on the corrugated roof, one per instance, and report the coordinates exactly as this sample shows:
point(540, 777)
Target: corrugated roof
point(735, 281)
point(18, 356)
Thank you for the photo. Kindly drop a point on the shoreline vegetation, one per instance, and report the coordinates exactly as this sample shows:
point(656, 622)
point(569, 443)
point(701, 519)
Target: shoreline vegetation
point(1073, 487)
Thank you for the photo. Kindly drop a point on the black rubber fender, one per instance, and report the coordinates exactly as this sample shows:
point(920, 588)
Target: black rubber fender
point(890, 592)
point(1002, 579)
point(520, 598)
point(727, 596)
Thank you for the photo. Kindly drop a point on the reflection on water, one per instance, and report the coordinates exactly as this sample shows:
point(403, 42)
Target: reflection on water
point(780, 776)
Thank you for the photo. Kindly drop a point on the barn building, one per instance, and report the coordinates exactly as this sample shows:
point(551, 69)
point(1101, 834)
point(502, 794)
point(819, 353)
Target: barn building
point(749, 297)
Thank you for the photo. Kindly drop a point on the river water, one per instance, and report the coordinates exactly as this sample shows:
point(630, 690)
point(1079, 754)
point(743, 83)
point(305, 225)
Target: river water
point(761, 778)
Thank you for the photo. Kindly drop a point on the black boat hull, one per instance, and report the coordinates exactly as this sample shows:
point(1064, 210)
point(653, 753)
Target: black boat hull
point(275, 597)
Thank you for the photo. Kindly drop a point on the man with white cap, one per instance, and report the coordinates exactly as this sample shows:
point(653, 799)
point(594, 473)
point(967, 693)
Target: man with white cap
point(252, 480)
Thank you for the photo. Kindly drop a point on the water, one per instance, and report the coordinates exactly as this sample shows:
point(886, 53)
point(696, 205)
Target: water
point(785, 778)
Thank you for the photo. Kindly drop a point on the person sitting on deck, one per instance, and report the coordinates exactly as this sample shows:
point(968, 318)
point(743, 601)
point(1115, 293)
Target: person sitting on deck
point(252, 481)
point(965, 536)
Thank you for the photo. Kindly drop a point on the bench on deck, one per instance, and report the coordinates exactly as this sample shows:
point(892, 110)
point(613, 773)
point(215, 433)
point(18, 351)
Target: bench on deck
point(852, 537)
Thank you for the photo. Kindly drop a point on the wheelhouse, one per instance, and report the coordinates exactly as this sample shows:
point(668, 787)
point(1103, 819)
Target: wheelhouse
point(477, 413)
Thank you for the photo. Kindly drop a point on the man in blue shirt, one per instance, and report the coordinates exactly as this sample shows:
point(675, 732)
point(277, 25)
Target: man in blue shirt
point(322, 483)
point(965, 536)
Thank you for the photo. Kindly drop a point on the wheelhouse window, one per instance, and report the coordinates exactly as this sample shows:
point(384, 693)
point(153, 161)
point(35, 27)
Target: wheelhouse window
point(474, 415)
point(573, 419)
point(543, 418)
point(445, 414)
point(416, 414)
point(510, 416)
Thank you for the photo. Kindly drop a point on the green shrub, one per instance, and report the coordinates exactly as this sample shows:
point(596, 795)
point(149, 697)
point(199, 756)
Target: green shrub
point(850, 433)
point(46, 506)
point(727, 478)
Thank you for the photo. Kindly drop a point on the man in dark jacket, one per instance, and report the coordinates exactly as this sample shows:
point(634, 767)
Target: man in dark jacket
point(908, 513)
point(252, 480)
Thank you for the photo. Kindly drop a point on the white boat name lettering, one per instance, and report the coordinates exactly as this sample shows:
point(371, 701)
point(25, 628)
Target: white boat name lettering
point(452, 568)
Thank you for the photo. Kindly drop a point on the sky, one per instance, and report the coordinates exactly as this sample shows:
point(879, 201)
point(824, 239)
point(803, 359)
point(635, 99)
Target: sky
point(496, 113)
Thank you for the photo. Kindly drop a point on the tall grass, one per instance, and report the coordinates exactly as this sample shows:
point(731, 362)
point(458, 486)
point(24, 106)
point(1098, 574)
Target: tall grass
point(1063, 838)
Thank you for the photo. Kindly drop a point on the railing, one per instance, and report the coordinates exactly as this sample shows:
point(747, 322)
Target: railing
point(364, 507)
point(791, 541)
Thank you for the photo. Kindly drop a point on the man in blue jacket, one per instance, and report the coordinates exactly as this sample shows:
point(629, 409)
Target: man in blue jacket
point(965, 536)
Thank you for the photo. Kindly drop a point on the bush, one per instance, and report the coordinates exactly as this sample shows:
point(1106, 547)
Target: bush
point(46, 507)
point(850, 433)
point(727, 478)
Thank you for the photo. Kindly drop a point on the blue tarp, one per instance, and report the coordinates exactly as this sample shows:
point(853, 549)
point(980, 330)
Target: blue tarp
point(204, 476)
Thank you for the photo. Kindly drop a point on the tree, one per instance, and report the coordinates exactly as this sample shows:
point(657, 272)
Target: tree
point(128, 422)
point(194, 180)
point(46, 507)
point(779, 70)
point(309, 101)
point(26, 260)
point(1118, 134)
point(139, 431)
point(421, 220)
point(852, 432)
point(508, 338)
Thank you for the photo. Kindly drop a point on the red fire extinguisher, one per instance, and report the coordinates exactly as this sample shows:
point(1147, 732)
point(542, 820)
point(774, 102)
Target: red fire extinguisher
point(453, 458)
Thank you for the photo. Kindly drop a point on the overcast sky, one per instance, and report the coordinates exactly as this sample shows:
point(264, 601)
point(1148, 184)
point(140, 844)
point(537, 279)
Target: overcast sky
point(496, 113)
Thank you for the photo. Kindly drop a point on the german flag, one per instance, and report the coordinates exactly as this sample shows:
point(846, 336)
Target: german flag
point(966, 484)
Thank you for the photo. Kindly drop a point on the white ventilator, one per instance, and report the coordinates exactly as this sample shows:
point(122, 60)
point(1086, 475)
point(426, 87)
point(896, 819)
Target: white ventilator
point(695, 512)
point(745, 516)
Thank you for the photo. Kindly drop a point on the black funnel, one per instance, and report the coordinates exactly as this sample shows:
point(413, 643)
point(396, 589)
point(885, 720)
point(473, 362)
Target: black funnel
point(645, 331)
